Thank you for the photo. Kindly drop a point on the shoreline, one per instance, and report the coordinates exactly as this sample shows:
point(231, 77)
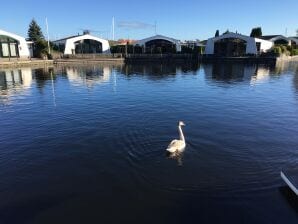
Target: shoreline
point(25, 63)
point(144, 59)
point(88, 60)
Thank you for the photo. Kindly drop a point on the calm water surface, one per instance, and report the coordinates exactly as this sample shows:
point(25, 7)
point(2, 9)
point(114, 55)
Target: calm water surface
point(86, 144)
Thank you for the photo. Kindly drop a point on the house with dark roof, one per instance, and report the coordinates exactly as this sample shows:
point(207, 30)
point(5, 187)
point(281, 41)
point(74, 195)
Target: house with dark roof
point(83, 44)
point(236, 45)
point(159, 43)
point(294, 41)
point(277, 39)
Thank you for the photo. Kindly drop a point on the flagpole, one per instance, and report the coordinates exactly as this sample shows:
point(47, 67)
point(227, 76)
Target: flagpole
point(47, 26)
point(113, 28)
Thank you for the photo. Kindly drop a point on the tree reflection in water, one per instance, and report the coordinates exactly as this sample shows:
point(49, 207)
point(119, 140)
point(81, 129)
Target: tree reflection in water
point(42, 76)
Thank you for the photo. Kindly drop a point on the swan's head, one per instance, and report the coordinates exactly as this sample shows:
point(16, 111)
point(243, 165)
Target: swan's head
point(181, 123)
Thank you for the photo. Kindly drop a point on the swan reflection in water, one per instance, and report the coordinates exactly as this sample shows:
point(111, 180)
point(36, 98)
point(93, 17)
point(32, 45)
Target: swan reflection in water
point(178, 156)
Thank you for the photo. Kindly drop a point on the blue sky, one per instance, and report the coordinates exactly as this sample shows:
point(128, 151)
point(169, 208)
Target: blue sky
point(188, 19)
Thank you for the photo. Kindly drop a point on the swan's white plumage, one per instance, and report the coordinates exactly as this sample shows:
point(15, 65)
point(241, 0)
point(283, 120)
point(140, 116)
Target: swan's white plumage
point(177, 145)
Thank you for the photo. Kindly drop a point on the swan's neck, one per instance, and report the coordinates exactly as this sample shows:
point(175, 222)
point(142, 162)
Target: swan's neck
point(181, 133)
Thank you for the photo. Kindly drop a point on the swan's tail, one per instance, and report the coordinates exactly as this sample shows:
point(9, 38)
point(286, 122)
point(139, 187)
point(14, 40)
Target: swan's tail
point(171, 150)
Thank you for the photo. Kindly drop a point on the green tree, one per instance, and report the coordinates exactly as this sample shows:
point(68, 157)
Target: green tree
point(256, 32)
point(34, 31)
point(226, 32)
point(35, 34)
point(217, 33)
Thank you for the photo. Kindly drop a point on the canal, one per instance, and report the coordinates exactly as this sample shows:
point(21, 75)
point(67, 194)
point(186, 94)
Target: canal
point(86, 143)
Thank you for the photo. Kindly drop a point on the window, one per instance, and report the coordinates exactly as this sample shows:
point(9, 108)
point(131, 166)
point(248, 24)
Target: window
point(13, 50)
point(5, 51)
point(8, 47)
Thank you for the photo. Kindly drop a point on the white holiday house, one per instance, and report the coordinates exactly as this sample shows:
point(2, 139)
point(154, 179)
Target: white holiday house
point(159, 43)
point(234, 44)
point(13, 46)
point(294, 41)
point(277, 39)
point(83, 44)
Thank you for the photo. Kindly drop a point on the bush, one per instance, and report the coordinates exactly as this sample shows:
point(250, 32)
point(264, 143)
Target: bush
point(50, 56)
point(294, 52)
point(285, 49)
point(277, 50)
point(289, 48)
point(54, 47)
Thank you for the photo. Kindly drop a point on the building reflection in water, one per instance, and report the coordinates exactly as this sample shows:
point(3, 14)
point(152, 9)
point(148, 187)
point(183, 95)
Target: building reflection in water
point(287, 67)
point(14, 82)
point(260, 75)
point(295, 80)
point(159, 70)
point(19, 81)
point(238, 72)
point(11, 78)
point(293, 66)
point(89, 75)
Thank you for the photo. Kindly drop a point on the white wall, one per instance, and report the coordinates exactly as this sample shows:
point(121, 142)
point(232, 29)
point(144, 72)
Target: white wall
point(23, 47)
point(30, 47)
point(265, 44)
point(209, 49)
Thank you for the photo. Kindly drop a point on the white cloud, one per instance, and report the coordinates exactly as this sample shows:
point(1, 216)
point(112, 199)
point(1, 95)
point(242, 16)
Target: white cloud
point(134, 25)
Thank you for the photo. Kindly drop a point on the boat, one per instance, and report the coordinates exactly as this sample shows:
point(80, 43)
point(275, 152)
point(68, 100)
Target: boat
point(291, 179)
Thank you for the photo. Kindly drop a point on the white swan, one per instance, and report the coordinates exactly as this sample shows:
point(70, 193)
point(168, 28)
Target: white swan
point(177, 145)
